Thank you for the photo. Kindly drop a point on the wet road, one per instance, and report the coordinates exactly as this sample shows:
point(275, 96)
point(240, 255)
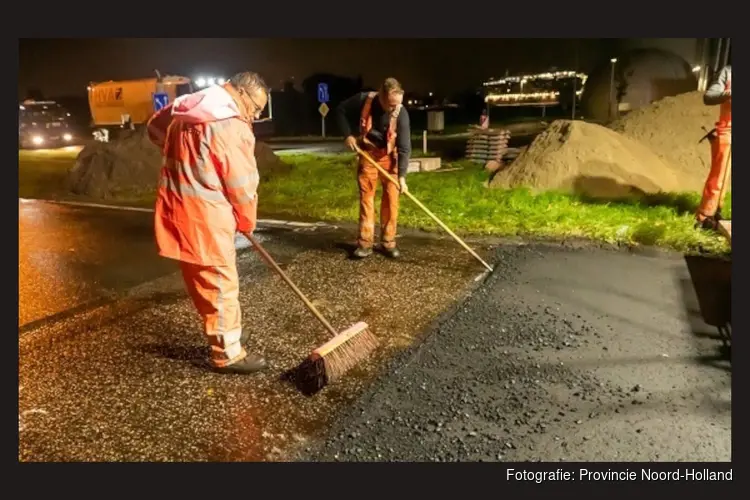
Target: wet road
point(562, 355)
point(69, 257)
point(127, 381)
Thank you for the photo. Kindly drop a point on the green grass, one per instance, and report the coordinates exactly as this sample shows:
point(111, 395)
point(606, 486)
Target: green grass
point(325, 188)
point(41, 174)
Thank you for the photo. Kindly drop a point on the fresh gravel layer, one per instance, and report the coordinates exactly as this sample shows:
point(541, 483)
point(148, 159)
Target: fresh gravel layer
point(129, 381)
point(498, 381)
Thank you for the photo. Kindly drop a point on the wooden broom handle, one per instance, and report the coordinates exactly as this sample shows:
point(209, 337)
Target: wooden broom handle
point(426, 210)
point(275, 266)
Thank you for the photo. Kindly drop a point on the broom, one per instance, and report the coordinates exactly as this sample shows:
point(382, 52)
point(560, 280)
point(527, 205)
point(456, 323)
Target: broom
point(420, 205)
point(341, 353)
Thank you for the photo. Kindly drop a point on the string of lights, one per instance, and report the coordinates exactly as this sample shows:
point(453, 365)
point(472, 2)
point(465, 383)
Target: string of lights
point(498, 91)
point(557, 75)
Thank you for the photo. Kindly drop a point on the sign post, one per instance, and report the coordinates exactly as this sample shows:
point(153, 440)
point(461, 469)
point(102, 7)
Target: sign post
point(323, 110)
point(323, 98)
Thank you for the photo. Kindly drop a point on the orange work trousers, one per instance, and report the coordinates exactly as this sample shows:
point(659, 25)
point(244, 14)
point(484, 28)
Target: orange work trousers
point(720, 162)
point(215, 292)
point(367, 177)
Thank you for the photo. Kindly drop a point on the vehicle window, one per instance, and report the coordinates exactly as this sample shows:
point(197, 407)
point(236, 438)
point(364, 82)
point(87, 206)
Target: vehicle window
point(44, 113)
point(183, 88)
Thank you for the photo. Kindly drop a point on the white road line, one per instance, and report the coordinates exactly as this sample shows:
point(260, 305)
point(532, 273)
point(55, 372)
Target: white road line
point(266, 222)
point(481, 275)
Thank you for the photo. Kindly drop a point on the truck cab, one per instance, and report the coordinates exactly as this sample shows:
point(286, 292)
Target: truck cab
point(44, 124)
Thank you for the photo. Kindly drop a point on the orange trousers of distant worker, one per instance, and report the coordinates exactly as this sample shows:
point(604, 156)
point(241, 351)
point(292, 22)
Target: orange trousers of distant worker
point(367, 177)
point(215, 292)
point(720, 161)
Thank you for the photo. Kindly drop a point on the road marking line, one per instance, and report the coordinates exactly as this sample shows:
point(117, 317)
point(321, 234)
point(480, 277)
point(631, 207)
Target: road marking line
point(84, 204)
point(481, 275)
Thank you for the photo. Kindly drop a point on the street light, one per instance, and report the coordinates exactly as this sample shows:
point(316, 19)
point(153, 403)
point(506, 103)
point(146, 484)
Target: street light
point(612, 87)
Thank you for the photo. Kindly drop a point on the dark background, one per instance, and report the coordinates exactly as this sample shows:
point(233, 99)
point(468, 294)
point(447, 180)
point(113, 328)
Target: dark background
point(451, 69)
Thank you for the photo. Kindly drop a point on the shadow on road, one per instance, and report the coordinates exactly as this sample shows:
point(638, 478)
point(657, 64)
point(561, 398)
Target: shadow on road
point(194, 355)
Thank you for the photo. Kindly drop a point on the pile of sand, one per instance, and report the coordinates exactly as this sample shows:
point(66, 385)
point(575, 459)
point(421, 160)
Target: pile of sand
point(671, 128)
point(131, 164)
point(588, 159)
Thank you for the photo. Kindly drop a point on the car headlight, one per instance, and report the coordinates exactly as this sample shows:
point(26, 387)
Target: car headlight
point(37, 139)
point(67, 137)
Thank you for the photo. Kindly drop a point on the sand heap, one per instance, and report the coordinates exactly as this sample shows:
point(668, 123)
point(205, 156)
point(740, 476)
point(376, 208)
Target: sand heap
point(588, 159)
point(131, 164)
point(671, 128)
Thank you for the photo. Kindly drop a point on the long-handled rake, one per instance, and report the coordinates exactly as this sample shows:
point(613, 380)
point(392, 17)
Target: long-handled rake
point(331, 360)
point(388, 176)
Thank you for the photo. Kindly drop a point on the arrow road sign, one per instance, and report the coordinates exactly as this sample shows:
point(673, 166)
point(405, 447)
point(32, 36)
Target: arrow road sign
point(161, 100)
point(323, 92)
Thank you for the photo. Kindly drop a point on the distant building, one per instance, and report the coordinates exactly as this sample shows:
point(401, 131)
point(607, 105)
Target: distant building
point(542, 90)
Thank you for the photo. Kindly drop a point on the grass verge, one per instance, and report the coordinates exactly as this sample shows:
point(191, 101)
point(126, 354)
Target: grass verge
point(324, 188)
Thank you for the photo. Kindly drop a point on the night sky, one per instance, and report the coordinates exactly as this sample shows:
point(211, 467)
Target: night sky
point(444, 66)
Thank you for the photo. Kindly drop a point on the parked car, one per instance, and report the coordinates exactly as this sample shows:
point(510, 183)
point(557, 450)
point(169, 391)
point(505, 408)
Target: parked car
point(44, 124)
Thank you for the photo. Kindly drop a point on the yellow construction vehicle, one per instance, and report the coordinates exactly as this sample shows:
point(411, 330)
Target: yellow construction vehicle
point(130, 103)
point(127, 104)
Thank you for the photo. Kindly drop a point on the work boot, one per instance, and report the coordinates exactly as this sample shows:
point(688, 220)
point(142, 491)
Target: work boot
point(362, 252)
point(251, 363)
point(708, 224)
point(391, 253)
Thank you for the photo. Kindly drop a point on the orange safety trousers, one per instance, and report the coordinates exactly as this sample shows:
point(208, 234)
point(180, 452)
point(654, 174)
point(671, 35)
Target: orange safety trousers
point(720, 161)
point(215, 293)
point(367, 177)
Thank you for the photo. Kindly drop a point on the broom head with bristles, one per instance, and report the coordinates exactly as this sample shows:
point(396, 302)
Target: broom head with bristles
point(330, 361)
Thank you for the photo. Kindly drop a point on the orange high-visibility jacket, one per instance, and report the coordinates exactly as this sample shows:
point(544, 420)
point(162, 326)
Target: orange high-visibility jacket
point(209, 178)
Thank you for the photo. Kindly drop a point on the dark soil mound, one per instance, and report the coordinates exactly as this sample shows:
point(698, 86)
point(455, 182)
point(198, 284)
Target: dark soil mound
point(130, 165)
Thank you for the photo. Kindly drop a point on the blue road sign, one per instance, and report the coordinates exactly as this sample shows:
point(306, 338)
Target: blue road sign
point(161, 100)
point(322, 92)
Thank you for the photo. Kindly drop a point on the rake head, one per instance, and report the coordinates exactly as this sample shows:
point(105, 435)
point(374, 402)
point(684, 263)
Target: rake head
point(333, 359)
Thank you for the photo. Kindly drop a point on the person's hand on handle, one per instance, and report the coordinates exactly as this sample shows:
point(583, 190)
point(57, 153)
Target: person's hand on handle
point(351, 142)
point(402, 185)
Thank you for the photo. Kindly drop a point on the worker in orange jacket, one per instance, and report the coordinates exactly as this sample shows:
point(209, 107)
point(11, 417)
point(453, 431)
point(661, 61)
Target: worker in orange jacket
point(207, 193)
point(718, 93)
point(384, 132)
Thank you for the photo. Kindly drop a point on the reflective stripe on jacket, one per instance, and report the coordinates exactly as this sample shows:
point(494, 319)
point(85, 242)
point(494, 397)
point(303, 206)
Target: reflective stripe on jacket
point(209, 178)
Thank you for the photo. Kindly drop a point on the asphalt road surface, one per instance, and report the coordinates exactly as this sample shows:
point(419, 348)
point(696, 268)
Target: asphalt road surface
point(560, 354)
point(128, 381)
point(585, 355)
point(70, 257)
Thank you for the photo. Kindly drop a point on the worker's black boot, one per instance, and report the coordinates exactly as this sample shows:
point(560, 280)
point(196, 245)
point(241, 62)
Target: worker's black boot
point(709, 224)
point(252, 363)
point(362, 252)
point(392, 253)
